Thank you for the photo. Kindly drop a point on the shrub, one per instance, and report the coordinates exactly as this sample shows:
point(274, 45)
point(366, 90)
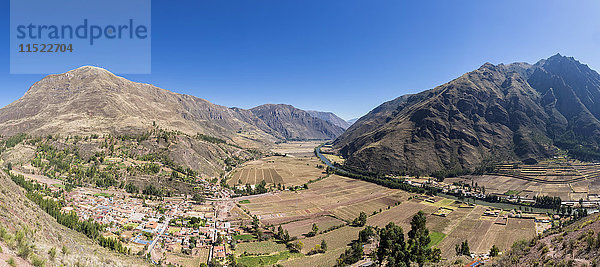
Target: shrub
point(37, 261)
point(52, 253)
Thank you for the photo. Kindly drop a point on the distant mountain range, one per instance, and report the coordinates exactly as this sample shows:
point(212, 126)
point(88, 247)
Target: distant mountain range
point(351, 121)
point(92, 100)
point(495, 113)
point(295, 124)
point(330, 117)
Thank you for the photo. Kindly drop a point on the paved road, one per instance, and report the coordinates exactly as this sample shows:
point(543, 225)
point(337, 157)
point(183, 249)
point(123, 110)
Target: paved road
point(167, 220)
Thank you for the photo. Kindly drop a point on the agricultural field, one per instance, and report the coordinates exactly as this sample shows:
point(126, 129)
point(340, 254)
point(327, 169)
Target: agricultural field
point(461, 224)
point(567, 179)
point(263, 247)
point(554, 169)
point(337, 241)
point(333, 202)
point(267, 260)
point(277, 170)
point(339, 197)
point(587, 189)
point(298, 228)
point(297, 148)
point(466, 223)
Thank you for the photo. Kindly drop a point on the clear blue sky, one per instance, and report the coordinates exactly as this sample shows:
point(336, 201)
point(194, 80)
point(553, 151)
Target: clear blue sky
point(343, 56)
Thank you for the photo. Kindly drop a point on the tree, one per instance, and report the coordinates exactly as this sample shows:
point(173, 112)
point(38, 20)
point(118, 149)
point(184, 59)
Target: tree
point(365, 234)
point(314, 231)
point(392, 246)
point(494, 251)
point(323, 245)
point(280, 232)
point(463, 249)
point(351, 255)
point(259, 234)
point(232, 260)
point(361, 220)
point(198, 198)
point(393, 250)
point(285, 237)
point(296, 246)
point(131, 189)
point(255, 223)
point(9, 166)
point(419, 240)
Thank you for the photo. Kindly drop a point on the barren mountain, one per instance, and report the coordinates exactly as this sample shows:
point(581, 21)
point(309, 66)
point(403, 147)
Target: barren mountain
point(329, 117)
point(91, 100)
point(497, 112)
point(293, 123)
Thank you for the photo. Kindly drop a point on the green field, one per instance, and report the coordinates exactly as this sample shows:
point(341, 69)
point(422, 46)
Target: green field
point(436, 238)
point(103, 195)
point(243, 237)
point(59, 186)
point(174, 230)
point(264, 247)
point(512, 192)
point(267, 260)
point(245, 201)
point(443, 203)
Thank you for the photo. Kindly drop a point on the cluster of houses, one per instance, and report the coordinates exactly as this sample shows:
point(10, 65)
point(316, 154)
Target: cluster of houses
point(162, 226)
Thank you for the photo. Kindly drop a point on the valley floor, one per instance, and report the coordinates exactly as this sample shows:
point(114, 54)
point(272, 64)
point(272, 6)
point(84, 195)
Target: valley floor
point(186, 232)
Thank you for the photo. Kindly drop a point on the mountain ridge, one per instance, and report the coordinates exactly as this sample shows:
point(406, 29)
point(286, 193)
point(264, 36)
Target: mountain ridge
point(499, 112)
point(330, 117)
point(93, 100)
point(293, 123)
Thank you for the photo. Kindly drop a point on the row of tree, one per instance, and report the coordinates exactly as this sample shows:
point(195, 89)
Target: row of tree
point(547, 202)
point(392, 183)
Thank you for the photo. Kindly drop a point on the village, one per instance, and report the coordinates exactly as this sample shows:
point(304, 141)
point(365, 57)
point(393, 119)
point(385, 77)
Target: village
point(170, 230)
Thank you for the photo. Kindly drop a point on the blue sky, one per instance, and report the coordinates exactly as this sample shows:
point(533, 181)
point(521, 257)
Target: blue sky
point(341, 56)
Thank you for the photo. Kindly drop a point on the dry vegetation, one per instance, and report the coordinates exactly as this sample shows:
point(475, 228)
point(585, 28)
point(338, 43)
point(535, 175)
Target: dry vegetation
point(573, 245)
